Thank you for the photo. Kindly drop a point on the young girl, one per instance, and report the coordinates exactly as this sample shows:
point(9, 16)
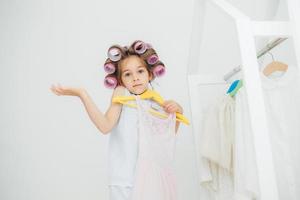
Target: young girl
point(130, 70)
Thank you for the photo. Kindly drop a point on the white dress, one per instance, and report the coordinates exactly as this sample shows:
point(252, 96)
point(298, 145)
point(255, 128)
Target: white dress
point(155, 175)
point(123, 148)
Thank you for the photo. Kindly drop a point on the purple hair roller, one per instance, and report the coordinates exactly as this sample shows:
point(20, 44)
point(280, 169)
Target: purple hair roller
point(109, 68)
point(140, 47)
point(110, 82)
point(152, 59)
point(159, 71)
point(114, 54)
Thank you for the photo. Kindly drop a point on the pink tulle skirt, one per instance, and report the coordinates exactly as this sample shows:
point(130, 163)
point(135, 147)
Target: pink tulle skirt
point(153, 182)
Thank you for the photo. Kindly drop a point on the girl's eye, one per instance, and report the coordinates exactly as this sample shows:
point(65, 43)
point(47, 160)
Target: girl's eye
point(141, 71)
point(127, 74)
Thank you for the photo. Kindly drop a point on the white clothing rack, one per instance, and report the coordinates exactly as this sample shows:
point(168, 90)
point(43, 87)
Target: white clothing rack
point(246, 31)
point(262, 52)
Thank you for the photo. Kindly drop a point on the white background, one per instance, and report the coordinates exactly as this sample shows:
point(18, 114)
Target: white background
point(49, 148)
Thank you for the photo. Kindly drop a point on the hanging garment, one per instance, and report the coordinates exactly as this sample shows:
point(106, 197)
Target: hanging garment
point(245, 168)
point(282, 102)
point(216, 146)
point(218, 130)
point(155, 177)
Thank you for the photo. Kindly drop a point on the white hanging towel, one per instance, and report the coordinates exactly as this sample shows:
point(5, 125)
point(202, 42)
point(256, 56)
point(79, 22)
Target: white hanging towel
point(218, 129)
point(216, 148)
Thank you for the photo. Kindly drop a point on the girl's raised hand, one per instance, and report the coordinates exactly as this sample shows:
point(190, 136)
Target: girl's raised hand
point(171, 106)
point(63, 90)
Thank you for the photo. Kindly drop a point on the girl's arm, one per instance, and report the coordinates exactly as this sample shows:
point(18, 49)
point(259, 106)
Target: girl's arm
point(104, 122)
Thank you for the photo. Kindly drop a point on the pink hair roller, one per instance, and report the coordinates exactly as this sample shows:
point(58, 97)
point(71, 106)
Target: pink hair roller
point(114, 54)
point(140, 47)
point(159, 71)
point(152, 59)
point(109, 68)
point(110, 82)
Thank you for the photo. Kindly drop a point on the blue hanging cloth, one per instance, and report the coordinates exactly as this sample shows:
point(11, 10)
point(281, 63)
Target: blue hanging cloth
point(234, 87)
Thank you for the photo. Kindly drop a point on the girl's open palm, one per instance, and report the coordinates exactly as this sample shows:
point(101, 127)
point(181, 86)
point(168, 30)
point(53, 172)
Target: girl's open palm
point(64, 90)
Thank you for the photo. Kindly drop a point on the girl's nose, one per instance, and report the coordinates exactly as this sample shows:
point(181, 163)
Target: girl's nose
point(135, 77)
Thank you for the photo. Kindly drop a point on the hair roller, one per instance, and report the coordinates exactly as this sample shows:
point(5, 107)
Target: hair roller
point(139, 47)
point(150, 57)
point(109, 66)
point(116, 53)
point(159, 70)
point(151, 60)
point(126, 48)
point(110, 81)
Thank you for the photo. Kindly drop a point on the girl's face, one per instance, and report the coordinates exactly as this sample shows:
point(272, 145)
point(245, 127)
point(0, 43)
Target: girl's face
point(134, 75)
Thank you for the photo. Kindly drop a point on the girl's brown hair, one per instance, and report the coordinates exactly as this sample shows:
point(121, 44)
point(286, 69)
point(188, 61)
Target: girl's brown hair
point(147, 56)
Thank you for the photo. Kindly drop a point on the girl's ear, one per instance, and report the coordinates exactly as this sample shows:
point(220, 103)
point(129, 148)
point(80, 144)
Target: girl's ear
point(121, 83)
point(151, 76)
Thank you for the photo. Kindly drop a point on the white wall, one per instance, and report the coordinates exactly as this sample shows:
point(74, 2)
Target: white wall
point(49, 148)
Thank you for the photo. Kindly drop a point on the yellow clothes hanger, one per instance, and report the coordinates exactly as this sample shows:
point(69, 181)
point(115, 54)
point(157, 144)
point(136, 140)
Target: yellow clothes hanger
point(149, 94)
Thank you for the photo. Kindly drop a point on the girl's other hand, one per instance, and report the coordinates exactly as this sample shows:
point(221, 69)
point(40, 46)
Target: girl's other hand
point(171, 107)
point(63, 90)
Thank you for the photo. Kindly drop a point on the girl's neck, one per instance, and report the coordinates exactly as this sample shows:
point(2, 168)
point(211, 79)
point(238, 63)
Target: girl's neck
point(139, 94)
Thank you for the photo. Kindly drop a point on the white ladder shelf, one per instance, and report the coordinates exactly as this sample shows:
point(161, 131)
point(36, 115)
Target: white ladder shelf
point(246, 31)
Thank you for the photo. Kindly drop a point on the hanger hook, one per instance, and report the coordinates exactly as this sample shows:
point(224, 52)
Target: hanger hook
point(271, 55)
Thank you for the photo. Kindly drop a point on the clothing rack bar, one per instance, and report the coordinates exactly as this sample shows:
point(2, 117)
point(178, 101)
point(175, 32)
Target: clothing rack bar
point(270, 46)
point(262, 52)
point(232, 72)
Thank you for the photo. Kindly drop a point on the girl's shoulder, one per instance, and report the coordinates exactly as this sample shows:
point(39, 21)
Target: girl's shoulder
point(119, 91)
